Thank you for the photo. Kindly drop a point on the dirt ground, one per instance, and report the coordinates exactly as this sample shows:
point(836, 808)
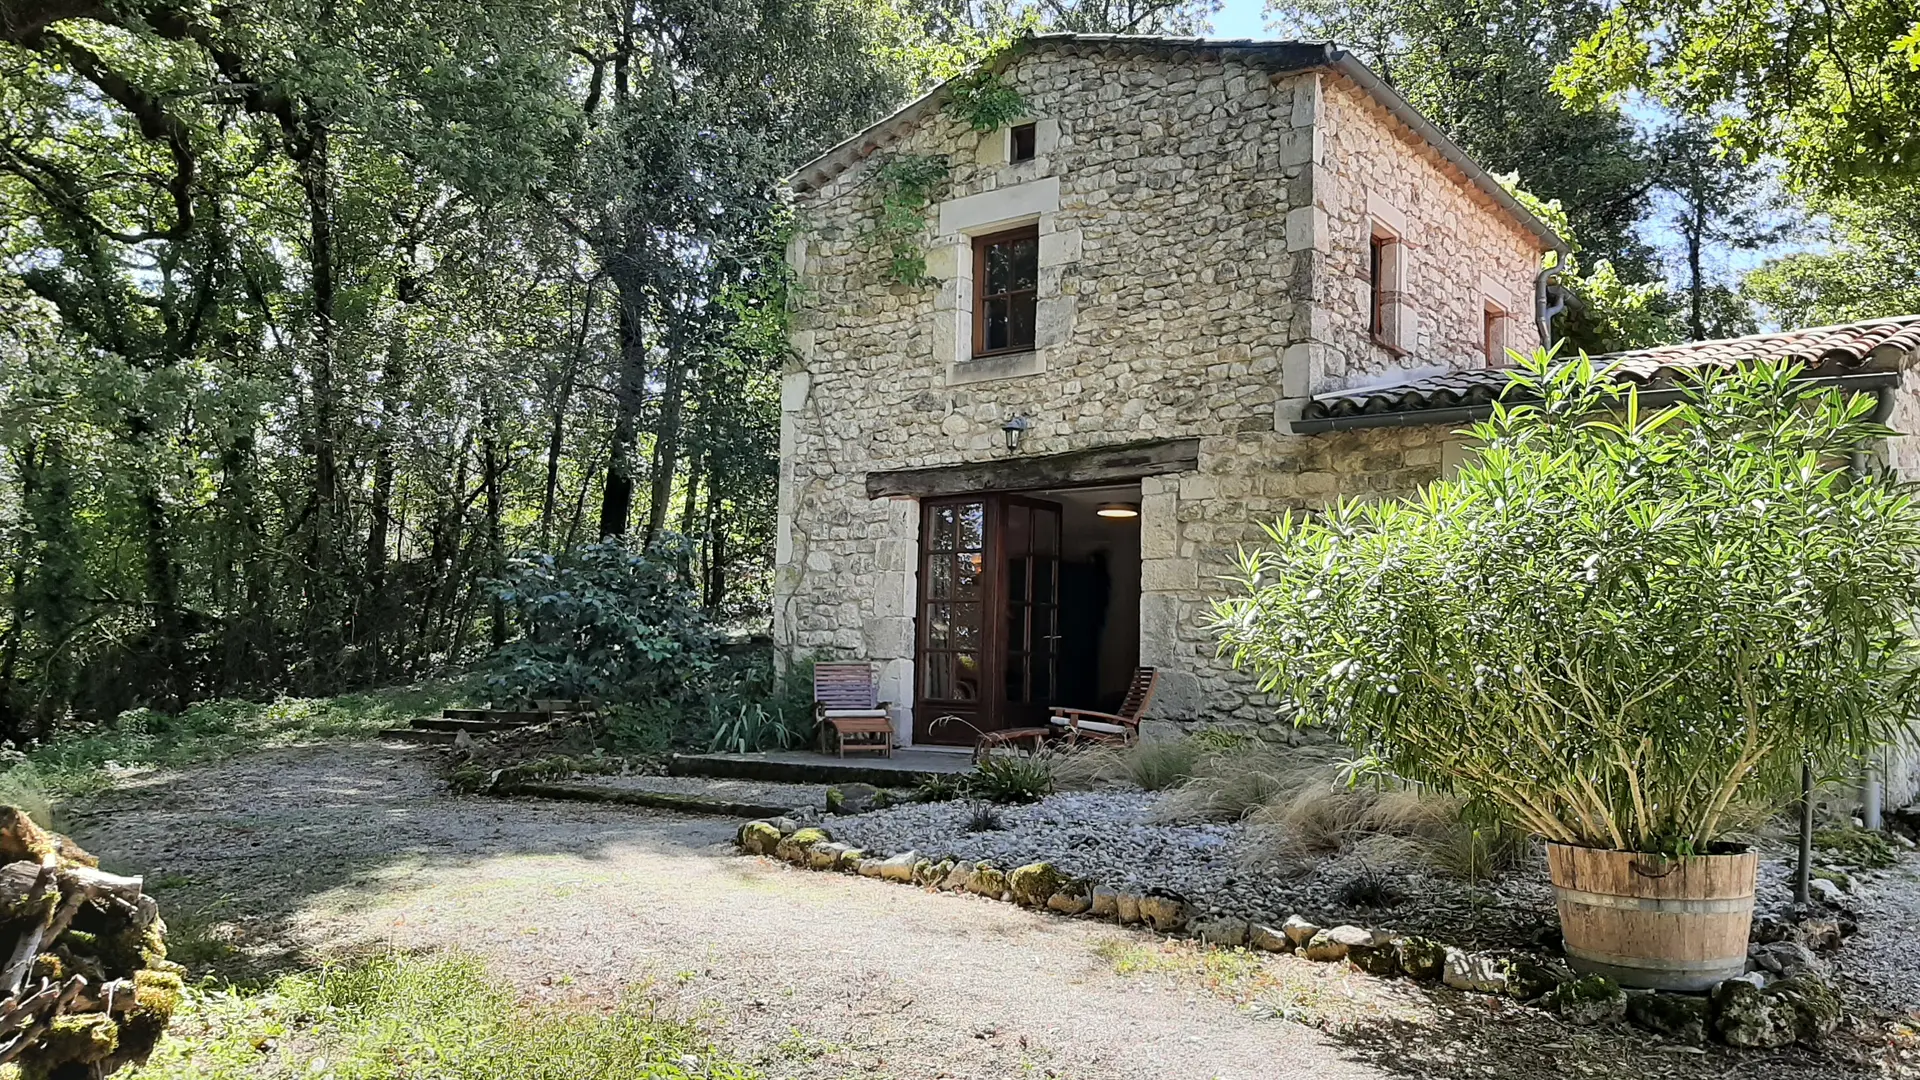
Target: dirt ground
point(290, 857)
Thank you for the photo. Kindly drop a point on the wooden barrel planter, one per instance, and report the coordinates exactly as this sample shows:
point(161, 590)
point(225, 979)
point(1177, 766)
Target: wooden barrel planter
point(1651, 921)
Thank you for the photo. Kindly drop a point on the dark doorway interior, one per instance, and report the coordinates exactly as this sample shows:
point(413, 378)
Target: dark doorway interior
point(1026, 601)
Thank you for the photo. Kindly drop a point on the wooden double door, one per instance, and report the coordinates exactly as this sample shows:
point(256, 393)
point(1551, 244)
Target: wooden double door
point(988, 623)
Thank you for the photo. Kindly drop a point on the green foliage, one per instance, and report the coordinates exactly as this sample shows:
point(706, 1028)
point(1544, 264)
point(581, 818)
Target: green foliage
point(907, 183)
point(1619, 628)
point(1010, 778)
point(984, 101)
point(1857, 847)
point(396, 1017)
point(1482, 70)
point(1158, 764)
point(939, 788)
point(643, 727)
point(752, 706)
point(604, 623)
point(1866, 272)
point(89, 760)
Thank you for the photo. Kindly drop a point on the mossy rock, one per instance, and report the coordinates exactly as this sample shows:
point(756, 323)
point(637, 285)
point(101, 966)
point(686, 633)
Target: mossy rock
point(1072, 898)
point(759, 837)
point(1377, 958)
point(1421, 958)
point(849, 860)
point(793, 848)
point(1746, 1016)
point(1680, 1017)
point(1594, 999)
point(1033, 884)
point(987, 881)
point(1816, 1007)
point(1529, 977)
point(1839, 877)
point(929, 873)
point(22, 839)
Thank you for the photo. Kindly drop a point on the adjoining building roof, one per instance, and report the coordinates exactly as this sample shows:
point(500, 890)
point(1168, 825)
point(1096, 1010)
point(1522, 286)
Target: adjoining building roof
point(1277, 57)
point(1868, 348)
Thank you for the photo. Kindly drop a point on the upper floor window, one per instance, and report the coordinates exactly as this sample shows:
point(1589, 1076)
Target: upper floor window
point(1494, 336)
point(1023, 141)
point(1390, 318)
point(1006, 274)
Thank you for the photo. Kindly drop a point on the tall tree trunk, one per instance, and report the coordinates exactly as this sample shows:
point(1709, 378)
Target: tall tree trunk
point(324, 612)
point(377, 624)
point(666, 441)
point(629, 396)
point(493, 464)
point(556, 434)
point(1696, 287)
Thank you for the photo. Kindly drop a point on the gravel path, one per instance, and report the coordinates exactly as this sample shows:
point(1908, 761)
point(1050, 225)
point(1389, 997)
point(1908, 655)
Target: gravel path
point(761, 792)
point(295, 855)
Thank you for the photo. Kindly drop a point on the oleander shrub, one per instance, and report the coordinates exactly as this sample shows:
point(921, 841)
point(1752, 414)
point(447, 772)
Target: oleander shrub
point(1616, 626)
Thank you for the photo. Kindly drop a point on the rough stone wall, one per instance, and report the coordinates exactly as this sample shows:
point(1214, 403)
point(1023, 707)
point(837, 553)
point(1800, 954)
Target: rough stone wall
point(1900, 768)
point(1462, 251)
point(1176, 271)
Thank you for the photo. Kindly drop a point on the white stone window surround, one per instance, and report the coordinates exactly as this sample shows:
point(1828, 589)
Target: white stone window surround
point(1399, 322)
point(1497, 316)
point(950, 259)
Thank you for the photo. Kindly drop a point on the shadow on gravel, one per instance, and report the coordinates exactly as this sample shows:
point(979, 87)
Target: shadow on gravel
point(235, 852)
point(1468, 1036)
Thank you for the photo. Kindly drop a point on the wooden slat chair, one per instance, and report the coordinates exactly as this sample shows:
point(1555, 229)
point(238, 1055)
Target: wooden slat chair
point(847, 705)
point(1121, 727)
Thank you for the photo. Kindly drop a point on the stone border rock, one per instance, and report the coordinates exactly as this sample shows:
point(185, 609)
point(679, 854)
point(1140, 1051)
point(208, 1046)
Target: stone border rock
point(1753, 1010)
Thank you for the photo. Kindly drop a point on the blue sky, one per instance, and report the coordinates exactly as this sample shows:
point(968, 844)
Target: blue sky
point(1240, 19)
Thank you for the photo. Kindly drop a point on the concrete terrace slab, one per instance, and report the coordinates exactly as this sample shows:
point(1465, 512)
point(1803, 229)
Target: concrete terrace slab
point(906, 768)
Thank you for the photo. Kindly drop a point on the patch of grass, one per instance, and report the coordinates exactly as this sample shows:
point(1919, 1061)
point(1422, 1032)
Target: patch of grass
point(1158, 764)
point(1321, 995)
point(409, 1018)
point(88, 762)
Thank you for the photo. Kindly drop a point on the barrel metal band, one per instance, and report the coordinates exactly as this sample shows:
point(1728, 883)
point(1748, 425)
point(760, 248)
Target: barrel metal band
point(1726, 905)
point(1654, 963)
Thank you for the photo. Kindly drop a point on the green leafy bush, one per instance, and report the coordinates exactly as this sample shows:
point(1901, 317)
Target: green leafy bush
point(1620, 628)
point(753, 707)
point(603, 622)
point(984, 101)
point(1010, 778)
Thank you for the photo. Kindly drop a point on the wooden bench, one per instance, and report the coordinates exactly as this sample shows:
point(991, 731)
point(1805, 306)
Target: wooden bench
point(848, 709)
point(1033, 737)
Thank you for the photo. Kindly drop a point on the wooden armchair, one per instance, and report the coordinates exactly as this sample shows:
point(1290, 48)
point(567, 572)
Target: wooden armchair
point(1121, 727)
point(847, 706)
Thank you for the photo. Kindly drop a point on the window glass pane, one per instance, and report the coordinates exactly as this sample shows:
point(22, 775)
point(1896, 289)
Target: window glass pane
point(940, 577)
point(998, 326)
point(1043, 571)
point(1024, 142)
point(1018, 529)
point(1000, 268)
point(1017, 579)
point(966, 677)
point(1046, 532)
point(1016, 677)
point(1023, 263)
point(942, 539)
point(1020, 321)
point(937, 680)
point(966, 626)
point(973, 526)
point(939, 624)
point(968, 570)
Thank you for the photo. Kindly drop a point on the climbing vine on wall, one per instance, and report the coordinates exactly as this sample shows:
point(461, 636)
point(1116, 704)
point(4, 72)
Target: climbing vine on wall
point(985, 101)
point(906, 188)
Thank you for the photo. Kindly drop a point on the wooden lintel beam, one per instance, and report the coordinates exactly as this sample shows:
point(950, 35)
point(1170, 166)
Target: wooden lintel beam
point(1078, 468)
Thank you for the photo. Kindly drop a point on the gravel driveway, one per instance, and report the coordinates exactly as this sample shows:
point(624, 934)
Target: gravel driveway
point(295, 855)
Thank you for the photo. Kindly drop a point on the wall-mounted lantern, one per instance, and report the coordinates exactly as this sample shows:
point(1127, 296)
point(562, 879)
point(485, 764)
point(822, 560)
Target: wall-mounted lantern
point(1016, 429)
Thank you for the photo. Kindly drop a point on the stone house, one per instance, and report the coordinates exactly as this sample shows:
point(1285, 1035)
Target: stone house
point(1202, 283)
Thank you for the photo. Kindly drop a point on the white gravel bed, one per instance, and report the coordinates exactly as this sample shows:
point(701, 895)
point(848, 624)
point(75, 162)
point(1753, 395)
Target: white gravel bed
point(1114, 838)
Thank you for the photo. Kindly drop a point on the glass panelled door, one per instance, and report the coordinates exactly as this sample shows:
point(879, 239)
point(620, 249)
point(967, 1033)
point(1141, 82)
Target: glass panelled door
point(989, 616)
point(1029, 645)
point(952, 667)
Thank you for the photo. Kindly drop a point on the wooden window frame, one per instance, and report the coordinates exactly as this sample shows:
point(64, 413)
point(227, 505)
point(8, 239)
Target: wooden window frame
point(1493, 334)
point(981, 296)
point(1016, 135)
point(1376, 285)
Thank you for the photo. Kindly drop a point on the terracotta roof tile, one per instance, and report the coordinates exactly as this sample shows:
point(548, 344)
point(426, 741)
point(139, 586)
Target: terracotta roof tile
point(1875, 344)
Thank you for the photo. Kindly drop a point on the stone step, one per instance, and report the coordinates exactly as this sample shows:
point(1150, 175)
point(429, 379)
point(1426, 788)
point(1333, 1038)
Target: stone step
point(906, 768)
point(416, 735)
point(475, 727)
point(498, 716)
